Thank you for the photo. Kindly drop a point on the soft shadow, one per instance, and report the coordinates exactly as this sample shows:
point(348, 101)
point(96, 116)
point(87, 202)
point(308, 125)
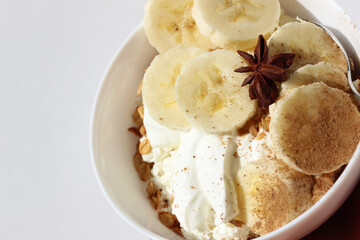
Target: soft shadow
point(294, 8)
point(348, 48)
point(344, 224)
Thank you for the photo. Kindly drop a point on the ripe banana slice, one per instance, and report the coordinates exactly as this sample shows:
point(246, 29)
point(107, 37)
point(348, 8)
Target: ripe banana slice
point(236, 24)
point(320, 72)
point(158, 86)
point(284, 18)
point(168, 23)
point(315, 129)
point(270, 194)
point(357, 84)
point(310, 43)
point(209, 92)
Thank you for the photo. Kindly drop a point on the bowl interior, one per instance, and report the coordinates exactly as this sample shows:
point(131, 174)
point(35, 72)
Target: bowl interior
point(113, 146)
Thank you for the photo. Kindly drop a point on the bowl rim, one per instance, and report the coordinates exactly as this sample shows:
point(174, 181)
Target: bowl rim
point(349, 172)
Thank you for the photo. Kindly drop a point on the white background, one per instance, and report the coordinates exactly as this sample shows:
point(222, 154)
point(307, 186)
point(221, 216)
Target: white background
point(52, 57)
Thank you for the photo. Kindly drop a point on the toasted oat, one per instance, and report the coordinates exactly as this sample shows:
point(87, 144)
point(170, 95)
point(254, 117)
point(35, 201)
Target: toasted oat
point(158, 198)
point(166, 219)
point(177, 230)
point(155, 197)
point(140, 110)
point(139, 89)
point(253, 235)
point(145, 171)
point(170, 221)
point(136, 117)
point(261, 135)
point(142, 130)
point(265, 122)
point(153, 202)
point(322, 184)
point(253, 130)
point(150, 189)
point(236, 223)
point(135, 131)
point(145, 147)
point(165, 203)
point(137, 160)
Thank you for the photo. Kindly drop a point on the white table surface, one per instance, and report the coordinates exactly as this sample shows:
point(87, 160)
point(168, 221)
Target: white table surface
point(52, 57)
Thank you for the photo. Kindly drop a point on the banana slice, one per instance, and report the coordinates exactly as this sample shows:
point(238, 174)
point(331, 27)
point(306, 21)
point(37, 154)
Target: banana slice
point(168, 23)
point(315, 129)
point(209, 92)
point(158, 86)
point(310, 43)
point(320, 72)
point(357, 84)
point(236, 24)
point(284, 18)
point(308, 74)
point(270, 194)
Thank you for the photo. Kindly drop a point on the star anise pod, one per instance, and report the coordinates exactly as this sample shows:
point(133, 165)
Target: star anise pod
point(265, 72)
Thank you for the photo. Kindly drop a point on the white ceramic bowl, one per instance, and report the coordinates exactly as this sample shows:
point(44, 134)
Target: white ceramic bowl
point(112, 146)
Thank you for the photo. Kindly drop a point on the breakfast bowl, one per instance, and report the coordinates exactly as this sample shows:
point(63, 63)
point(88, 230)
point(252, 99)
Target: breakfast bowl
point(112, 146)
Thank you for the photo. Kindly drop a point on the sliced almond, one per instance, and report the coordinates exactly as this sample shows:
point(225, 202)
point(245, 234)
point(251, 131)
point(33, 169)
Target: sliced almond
point(158, 198)
point(177, 230)
point(150, 189)
point(135, 131)
point(166, 219)
point(236, 223)
point(142, 130)
point(253, 130)
point(137, 159)
point(145, 147)
point(322, 184)
point(136, 117)
point(261, 135)
point(166, 203)
point(153, 202)
point(145, 171)
point(140, 110)
point(265, 122)
point(139, 89)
